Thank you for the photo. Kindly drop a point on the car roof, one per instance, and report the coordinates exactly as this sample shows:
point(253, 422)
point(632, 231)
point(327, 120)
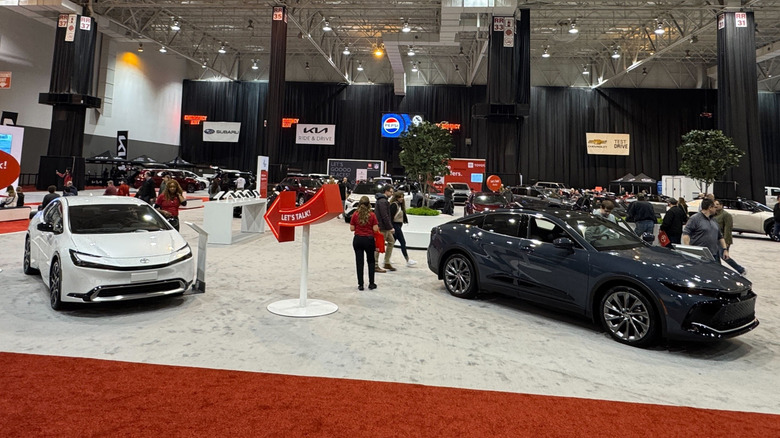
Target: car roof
point(550, 212)
point(101, 200)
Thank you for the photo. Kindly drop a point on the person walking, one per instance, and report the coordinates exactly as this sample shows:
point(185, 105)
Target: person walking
point(725, 224)
point(364, 224)
point(642, 213)
point(123, 189)
point(673, 222)
point(776, 211)
point(146, 192)
point(385, 227)
point(702, 230)
point(169, 201)
point(398, 213)
point(111, 189)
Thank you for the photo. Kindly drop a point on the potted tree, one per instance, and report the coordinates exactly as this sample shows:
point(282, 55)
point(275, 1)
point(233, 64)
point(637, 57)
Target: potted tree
point(425, 152)
point(707, 155)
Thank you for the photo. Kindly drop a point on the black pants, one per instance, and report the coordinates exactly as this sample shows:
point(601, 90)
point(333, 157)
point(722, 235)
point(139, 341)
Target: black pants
point(399, 237)
point(364, 245)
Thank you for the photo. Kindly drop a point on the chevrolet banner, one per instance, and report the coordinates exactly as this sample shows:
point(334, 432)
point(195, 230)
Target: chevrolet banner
point(607, 144)
point(315, 134)
point(226, 132)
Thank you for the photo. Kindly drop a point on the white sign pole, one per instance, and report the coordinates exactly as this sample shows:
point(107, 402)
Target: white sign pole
point(304, 264)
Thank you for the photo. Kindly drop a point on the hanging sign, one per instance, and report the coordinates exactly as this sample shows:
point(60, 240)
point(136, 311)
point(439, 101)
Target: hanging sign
point(194, 119)
point(279, 14)
point(9, 169)
point(121, 144)
point(607, 144)
point(5, 80)
point(315, 134)
point(221, 131)
point(721, 21)
point(498, 24)
point(287, 122)
point(62, 20)
point(741, 19)
point(85, 23)
point(70, 32)
point(509, 32)
point(283, 216)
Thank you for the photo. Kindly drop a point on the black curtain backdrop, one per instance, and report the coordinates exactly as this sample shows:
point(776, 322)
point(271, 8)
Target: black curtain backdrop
point(547, 145)
point(509, 68)
point(71, 69)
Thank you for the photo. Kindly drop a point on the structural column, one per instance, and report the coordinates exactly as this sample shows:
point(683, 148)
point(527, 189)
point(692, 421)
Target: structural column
point(738, 99)
point(276, 84)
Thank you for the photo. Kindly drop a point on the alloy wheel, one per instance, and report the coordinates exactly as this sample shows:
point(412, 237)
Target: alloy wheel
point(55, 285)
point(459, 276)
point(627, 316)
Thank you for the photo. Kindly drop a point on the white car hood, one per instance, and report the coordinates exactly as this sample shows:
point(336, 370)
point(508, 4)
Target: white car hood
point(129, 245)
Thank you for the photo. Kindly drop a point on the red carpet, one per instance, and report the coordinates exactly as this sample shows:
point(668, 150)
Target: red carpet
point(13, 226)
point(59, 396)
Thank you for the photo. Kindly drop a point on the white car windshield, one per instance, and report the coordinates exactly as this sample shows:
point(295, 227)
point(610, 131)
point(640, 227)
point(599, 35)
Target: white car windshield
point(111, 219)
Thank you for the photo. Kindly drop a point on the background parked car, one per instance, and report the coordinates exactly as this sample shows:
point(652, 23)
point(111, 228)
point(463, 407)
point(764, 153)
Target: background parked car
point(461, 192)
point(369, 189)
point(484, 201)
point(749, 216)
point(304, 187)
point(188, 183)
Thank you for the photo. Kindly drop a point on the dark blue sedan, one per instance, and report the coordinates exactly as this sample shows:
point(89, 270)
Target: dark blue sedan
point(578, 262)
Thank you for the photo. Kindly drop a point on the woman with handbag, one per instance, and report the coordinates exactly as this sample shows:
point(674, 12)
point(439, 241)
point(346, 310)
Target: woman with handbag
point(364, 224)
point(169, 201)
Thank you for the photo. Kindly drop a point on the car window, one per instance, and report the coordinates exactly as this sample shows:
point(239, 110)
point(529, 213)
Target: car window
point(544, 230)
point(506, 224)
point(603, 234)
point(475, 220)
point(367, 189)
point(460, 186)
point(53, 215)
point(109, 219)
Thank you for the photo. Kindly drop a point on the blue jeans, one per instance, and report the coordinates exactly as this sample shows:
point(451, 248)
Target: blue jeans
point(644, 227)
point(733, 263)
point(399, 236)
point(776, 231)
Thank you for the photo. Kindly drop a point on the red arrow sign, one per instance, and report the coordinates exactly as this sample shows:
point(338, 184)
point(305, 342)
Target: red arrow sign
point(283, 216)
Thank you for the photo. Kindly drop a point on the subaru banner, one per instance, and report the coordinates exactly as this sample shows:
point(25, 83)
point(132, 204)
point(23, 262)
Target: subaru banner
point(221, 131)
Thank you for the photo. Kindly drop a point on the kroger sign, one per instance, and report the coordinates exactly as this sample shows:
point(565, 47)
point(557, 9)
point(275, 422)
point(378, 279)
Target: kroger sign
point(393, 125)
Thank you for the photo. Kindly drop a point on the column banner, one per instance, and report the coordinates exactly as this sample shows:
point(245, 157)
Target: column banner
point(121, 144)
point(262, 175)
point(607, 144)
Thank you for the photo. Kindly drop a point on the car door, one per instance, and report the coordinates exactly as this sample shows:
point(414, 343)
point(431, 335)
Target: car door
point(746, 218)
point(555, 275)
point(47, 241)
point(499, 252)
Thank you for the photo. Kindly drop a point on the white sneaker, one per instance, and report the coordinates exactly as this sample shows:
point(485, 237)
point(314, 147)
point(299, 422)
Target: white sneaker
point(410, 263)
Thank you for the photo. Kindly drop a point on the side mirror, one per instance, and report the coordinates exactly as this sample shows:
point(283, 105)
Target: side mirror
point(564, 243)
point(49, 228)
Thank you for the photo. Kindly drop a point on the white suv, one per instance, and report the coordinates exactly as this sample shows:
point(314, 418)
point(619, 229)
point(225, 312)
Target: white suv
point(771, 195)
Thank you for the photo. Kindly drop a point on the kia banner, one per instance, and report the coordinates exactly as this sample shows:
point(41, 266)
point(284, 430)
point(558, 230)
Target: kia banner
point(121, 144)
point(226, 132)
point(315, 134)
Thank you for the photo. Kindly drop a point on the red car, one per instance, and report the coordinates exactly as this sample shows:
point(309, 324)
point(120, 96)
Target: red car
point(484, 201)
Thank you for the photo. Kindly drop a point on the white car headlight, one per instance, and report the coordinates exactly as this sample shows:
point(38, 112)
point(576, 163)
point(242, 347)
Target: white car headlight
point(87, 260)
point(183, 253)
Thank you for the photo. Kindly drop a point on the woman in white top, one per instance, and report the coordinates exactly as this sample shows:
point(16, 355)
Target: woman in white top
point(10, 198)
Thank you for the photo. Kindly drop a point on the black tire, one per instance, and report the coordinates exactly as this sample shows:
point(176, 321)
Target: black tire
point(190, 188)
point(627, 315)
point(55, 285)
point(348, 217)
point(769, 227)
point(460, 277)
point(26, 264)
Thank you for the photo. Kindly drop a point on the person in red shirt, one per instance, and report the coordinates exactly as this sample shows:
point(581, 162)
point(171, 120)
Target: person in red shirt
point(364, 225)
point(65, 176)
point(111, 190)
point(123, 189)
point(169, 201)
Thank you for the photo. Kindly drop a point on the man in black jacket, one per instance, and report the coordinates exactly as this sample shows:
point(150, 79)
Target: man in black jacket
point(382, 211)
point(673, 222)
point(642, 213)
point(776, 231)
point(147, 193)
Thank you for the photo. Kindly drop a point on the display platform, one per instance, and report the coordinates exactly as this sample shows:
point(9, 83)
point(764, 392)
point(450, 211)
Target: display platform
point(218, 219)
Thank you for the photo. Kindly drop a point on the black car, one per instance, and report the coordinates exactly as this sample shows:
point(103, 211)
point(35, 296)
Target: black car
point(578, 262)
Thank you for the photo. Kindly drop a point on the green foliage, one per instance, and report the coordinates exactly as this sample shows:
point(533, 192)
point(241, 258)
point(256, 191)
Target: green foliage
point(707, 155)
point(425, 152)
point(422, 211)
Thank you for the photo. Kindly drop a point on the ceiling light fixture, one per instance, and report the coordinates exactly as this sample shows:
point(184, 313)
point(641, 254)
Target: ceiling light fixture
point(411, 51)
point(346, 50)
point(307, 65)
point(456, 67)
point(414, 67)
point(694, 39)
point(175, 25)
point(546, 53)
point(163, 49)
point(140, 47)
point(615, 54)
point(378, 52)
point(406, 28)
point(461, 52)
point(360, 66)
point(203, 65)
point(585, 70)
point(222, 50)
point(659, 28)
point(254, 65)
point(327, 27)
point(251, 25)
point(573, 28)
point(644, 71)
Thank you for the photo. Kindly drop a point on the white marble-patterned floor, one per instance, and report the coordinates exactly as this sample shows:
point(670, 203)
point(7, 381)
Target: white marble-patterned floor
point(408, 330)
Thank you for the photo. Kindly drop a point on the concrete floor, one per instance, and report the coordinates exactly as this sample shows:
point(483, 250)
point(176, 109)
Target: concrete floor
point(408, 330)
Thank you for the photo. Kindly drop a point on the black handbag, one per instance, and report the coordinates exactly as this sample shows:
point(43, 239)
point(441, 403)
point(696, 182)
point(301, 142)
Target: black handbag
point(174, 221)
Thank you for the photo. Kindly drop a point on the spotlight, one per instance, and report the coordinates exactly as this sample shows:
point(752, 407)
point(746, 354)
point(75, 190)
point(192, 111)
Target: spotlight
point(461, 52)
point(406, 28)
point(346, 50)
point(687, 54)
point(456, 67)
point(694, 39)
point(615, 54)
point(546, 53)
point(659, 28)
point(414, 67)
point(378, 52)
point(585, 70)
point(644, 71)
point(411, 51)
point(573, 28)
point(175, 25)
point(327, 27)
point(222, 50)
point(163, 49)
point(140, 47)
point(254, 65)
point(360, 66)
point(307, 65)
point(203, 65)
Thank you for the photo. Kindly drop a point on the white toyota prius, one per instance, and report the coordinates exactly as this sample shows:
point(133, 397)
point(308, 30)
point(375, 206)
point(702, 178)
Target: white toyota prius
point(106, 248)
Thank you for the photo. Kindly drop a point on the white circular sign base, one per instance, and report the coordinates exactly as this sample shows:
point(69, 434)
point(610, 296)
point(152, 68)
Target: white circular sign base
point(293, 308)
